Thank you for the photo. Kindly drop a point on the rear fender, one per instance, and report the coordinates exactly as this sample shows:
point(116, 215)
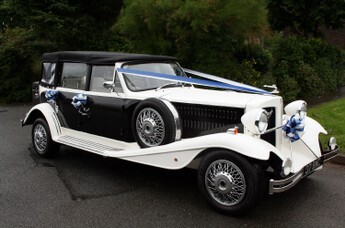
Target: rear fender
point(46, 111)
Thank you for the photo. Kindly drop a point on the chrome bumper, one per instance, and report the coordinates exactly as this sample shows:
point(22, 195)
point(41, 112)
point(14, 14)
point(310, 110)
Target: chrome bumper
point(277, 186)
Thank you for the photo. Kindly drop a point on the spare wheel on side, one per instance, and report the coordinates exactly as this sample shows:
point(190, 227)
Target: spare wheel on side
point(155, 122)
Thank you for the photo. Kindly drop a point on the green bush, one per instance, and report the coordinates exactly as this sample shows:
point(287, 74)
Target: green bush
point(305, 68)
point(287, 85)
point(309, 80)
point(258, 55)
point(16, 65)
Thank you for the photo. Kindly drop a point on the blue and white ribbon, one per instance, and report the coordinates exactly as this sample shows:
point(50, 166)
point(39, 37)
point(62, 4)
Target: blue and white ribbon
point(294, 128)
point(51, 95)
point(238, 86)
point(208, 83)
point(79, 100)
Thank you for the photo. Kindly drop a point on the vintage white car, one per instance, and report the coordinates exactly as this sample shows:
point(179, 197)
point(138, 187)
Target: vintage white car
point(148, 109)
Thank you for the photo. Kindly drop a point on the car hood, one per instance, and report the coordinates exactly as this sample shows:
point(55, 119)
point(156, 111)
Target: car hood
point(213, 97)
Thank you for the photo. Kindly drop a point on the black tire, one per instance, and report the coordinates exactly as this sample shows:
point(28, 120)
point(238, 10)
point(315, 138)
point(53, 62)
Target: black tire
point(155, 131)
point(42, 141)
point(234, 191)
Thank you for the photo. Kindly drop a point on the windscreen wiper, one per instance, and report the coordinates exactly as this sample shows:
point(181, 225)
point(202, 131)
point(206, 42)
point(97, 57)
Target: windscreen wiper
point(170, 84)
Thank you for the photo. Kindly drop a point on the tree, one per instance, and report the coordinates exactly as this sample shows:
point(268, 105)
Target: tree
point(203, 34)
point(63, 24)
point(16, 73)
point(29, 28)
point(306, 17)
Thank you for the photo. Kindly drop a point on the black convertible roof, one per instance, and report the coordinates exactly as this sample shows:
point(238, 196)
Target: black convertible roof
point(96, 57)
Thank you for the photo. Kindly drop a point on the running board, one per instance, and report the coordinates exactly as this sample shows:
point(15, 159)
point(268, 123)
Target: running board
point(92, 143)
point(86, 144)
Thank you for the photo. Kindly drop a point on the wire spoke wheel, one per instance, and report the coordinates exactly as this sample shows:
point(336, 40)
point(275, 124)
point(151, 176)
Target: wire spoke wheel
point(40, 137)
point(42, 140)
point(155, 122)
point(225, 182)
point(150, 127)
point(230, 183)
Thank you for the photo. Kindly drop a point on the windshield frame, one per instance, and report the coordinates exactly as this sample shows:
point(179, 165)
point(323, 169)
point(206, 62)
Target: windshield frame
point(129, 87)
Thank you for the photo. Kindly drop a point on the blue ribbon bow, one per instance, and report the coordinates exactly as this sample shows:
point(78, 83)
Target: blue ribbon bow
point(51, 95)
point(294, 128)
point(79, 100)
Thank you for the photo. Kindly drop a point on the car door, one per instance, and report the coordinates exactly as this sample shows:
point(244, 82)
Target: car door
point(108, 112)
point(72, 81)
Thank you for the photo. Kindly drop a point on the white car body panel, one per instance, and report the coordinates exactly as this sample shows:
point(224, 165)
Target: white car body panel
point(179, 154)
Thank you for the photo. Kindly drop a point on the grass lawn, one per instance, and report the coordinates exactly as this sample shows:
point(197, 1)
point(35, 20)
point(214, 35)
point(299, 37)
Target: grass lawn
point(331, 116)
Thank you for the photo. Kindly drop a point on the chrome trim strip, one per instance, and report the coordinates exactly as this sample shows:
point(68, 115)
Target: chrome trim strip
point(328, 155)
point(176, 118)
point(278, 186)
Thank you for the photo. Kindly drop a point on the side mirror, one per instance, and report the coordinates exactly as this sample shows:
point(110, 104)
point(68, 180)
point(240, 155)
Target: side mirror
point(109, 85)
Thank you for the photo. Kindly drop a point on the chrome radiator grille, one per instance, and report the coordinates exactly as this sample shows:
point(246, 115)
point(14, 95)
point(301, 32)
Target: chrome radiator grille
point(199, 120)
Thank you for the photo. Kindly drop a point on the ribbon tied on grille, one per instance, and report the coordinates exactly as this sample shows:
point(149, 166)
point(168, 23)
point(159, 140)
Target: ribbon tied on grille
point(294, 128)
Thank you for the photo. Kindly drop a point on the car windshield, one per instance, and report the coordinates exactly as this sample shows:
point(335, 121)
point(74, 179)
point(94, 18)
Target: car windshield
point(140, 83)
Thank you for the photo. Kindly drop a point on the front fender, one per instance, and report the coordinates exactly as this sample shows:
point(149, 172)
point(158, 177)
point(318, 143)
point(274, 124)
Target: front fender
point(46, 111)
point(246, 145)
point(306, 149)
point(181, 153)
point(311, 135)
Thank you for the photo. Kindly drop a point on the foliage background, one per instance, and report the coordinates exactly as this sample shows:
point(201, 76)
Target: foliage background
point(240, 40)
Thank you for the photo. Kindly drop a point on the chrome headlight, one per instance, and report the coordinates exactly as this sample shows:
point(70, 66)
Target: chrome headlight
point(262, 122)
point(297, 107)
point(256, 121)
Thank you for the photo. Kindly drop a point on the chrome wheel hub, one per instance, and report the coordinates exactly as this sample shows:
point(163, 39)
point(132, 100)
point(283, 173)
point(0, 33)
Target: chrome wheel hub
point(40, 138)
point(225, 182)
point(150, 127)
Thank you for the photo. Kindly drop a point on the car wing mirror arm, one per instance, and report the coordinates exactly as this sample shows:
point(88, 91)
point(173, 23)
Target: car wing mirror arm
point(109, 85)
